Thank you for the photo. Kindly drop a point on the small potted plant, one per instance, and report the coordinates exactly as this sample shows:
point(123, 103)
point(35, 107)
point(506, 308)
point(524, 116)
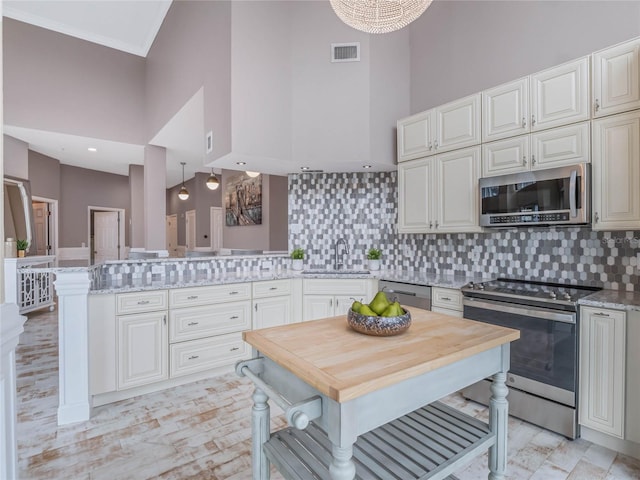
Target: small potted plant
point(374, 255)
point(21, 245)
point(297, 256)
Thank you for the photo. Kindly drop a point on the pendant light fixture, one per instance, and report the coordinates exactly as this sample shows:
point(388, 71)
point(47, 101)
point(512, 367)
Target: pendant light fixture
point(183, 194)
point(212, 182)
point(379, 16)
point(252, 174)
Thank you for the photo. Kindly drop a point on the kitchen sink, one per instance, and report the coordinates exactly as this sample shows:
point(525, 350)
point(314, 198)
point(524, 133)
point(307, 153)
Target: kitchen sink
point(335, 272)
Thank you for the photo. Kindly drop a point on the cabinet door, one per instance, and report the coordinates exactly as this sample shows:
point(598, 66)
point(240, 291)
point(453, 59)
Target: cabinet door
point(415, 136)
point(317, 306)
point(616, 172)
point(142, 349)
point(458, 124)
point(560, 146)
point(505, 156)
point(414, 196)
point(505, 110)
point(602, 370)
point(271, 312)
point(560, 95)
point(342, 303)
point(457, 206)
point(616, 79)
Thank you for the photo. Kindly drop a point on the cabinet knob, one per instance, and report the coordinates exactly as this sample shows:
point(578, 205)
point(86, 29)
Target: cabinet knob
point(193, 357)
point(533, 120)
point(234, 349)
point(437, 224)
point(524, 160)
point(234, 317)
point(430, 145)
point(255, 307)
point(435, 144)
point(164, 319)
point(192, 324)
point(596, 105)
point(430, 225)
point(596, 217)
point(233, 293)
point(524, 122)
point(533, 159)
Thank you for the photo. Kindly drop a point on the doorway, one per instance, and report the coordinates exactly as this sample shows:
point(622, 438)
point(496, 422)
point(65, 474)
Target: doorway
point(190, 225)
point(106, 234)
point(172, 235)
point(45, 216)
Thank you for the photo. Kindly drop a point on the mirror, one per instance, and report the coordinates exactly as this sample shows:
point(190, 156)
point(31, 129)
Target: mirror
point(18, 217)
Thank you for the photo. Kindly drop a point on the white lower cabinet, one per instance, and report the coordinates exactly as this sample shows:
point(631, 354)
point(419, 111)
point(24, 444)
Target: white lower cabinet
point(320, 301)
point(447, 301)
point(207, 353)
point(142, 349)
point(602, 370)
point(271, 312)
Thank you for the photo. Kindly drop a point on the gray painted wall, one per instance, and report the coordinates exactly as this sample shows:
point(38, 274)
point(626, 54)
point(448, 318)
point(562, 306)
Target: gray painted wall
point(59, 83)
point(278, 209)
point(44, 175)
point(15, 157)
point(463, 47)
point(80, 188)
point(180, 207)
point(136, 193)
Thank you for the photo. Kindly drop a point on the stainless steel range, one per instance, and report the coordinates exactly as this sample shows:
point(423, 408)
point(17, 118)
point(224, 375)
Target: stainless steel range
point(544, 363)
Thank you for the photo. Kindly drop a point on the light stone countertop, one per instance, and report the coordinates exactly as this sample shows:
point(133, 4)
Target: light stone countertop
point(614, 299)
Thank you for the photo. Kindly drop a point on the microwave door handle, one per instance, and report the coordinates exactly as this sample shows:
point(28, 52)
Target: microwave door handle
point(572, 193)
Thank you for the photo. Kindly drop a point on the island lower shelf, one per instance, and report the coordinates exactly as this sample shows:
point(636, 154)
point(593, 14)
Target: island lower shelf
point(429, 443)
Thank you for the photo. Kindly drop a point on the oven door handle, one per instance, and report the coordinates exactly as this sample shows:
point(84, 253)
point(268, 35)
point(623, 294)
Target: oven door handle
point(572, 194)
point(527, 311)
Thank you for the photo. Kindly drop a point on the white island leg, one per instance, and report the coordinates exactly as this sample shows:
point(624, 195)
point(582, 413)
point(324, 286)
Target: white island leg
point(260, 428)
point(498, 420)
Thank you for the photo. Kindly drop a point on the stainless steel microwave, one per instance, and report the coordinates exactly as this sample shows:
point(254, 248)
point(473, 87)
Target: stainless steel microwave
point(556, 196)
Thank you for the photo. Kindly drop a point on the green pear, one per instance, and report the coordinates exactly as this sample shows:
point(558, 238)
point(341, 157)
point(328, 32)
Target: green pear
point(356, 306)
point(393, 310)
point(379, 303)
point(365, 310)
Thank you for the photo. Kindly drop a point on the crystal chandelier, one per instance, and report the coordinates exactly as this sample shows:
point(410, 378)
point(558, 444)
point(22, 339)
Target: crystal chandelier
point(379, 16)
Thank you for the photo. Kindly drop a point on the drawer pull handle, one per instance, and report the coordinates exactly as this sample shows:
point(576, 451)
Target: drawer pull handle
point(233, 293)
point(446, 298)
point(601, 314)
point(191, 324)
point(233, 317)
point(193, 357)
point(192, 297)
point(143, 302)
point(234, 349)
point(273, 288)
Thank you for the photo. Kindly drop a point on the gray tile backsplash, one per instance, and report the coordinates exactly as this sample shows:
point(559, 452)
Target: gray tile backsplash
point(362, 208)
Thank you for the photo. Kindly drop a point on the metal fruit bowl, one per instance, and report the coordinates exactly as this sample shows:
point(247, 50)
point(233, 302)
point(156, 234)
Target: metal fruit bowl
point(379, 326)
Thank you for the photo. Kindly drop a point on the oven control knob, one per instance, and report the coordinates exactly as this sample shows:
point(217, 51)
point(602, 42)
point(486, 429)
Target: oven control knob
point(566, 296)
point(471, 285)
point(481, 287)
point(552, 295)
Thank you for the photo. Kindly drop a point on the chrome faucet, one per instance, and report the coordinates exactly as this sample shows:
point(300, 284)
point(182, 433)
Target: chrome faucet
point(340, 264)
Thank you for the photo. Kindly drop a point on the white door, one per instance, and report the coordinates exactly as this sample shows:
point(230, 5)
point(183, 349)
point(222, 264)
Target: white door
point(414, 196)
point(616, 79)
point(458, 124)
point(143, 346)
point(616, 172)
point(506, 156)
point(561, 146)
point(416, 135)
point(560, 95)
point(317, 306)
point(216, 228)
point(271, 312)
point(106, 234)
point(172, 235)
point(457, 175)
point(505, 110)
point(41, 223)
point(190, 225)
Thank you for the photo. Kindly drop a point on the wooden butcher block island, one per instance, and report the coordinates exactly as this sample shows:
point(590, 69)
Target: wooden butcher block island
point(366, 407)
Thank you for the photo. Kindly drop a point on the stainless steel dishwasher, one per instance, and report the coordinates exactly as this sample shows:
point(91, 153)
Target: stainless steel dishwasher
point(407, 294)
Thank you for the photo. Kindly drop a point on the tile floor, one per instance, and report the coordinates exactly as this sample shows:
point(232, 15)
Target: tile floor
point(202, 431)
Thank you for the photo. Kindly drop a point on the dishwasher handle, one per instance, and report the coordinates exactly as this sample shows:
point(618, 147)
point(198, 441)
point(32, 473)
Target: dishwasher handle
point(400, 292)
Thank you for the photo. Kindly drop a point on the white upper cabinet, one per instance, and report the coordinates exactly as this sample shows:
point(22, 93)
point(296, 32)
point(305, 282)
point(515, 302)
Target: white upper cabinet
point(561, 146)
point(560, 95)
point(458, 124)
point(616, 172)
point(505, 110)
point(441, 129)
point(414, 196)
point(506, 156)
point(616, 79)
point(415, 136)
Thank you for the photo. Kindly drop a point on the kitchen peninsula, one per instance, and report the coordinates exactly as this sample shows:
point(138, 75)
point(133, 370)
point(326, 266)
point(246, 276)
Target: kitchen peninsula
point(380, 392)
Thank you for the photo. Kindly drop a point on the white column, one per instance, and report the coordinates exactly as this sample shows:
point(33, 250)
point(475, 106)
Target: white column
point(72, 288)
point(11, 326)
point(155, 199)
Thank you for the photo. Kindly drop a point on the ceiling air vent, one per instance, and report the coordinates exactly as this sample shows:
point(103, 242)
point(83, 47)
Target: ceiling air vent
point(345, 52)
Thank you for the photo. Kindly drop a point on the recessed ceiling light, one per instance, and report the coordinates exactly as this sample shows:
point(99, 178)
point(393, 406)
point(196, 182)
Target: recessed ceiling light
point(241, 163)
point(92, 149)
point(366, 166)
point(304, 168)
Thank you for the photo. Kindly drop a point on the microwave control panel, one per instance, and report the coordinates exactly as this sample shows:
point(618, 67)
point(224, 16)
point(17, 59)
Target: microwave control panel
point(529, 218)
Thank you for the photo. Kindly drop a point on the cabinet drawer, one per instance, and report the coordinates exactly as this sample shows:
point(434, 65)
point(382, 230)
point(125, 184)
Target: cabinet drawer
point(141, 302)
point(198, 355)
point(447, 311)
point(190, 297)
point(271, 288)
point(208, 320)
point(331, 286)
point(446, 298)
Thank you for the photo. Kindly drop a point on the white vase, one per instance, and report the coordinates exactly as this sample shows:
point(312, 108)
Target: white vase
point(374, 264)
point(296, 264)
